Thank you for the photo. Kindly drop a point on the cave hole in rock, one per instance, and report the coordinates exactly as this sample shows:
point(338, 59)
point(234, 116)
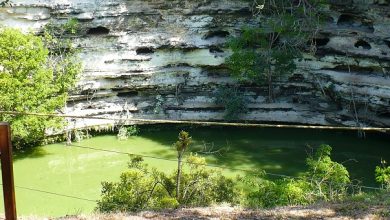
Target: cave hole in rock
point(363, 44)
point(387, 42)
point(127, 93)
point(220, 33)
point(100, 30)
point(346, 20)
point(319, 42)
point(215, 50)
point(144, 50)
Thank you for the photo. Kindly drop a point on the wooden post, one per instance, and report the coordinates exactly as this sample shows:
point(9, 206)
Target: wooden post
point(7, 172)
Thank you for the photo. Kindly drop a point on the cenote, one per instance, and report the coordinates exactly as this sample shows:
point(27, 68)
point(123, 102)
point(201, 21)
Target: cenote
point(78, 172)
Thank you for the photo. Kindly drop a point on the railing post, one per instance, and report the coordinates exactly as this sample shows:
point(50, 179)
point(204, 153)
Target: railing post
point(7, 172)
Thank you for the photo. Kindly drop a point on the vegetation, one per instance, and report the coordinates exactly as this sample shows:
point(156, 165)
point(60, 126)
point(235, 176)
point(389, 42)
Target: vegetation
point(325, 180)
point(194, 184)
point(233, 100)
point(143, 188)
point(262, 54)
point(125, 132)
point(33, 79)
point(382, 175)
point(181, 147)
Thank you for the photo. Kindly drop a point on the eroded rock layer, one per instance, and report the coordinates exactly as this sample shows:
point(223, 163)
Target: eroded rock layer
point(161, 59)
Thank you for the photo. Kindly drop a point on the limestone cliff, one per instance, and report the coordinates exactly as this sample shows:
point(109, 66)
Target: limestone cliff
point(165, 59)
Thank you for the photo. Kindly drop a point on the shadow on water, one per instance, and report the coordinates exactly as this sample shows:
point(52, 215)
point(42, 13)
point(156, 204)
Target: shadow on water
point(281, 151)
point(33, 152)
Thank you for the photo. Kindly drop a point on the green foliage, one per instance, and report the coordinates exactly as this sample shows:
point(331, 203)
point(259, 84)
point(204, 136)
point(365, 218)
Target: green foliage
point(139, 188)
point(159, 105)
point(181, 146)
point(32, 81)
point(125, 132)
point(324, 180)
point(233, 100)
point(266, 193)
point(328, 178)
point(200, 186)
point(80, 135)
point(184, 141)
point(382, 175)
point(70, 27)
point(262, 54)
point(142, 188)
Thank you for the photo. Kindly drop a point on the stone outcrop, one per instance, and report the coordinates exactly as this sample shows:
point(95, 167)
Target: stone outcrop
point(161, 59)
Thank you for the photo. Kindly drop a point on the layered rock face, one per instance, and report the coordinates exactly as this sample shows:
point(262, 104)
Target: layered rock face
point(158, 59)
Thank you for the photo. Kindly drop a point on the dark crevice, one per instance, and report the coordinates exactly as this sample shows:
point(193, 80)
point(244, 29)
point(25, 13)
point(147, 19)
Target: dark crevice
point(177, 65)
point(215, 50)
point(98, 31)
point(127, 93)
point(320, 42)
point(346, 20)
point(363, 44)
point(144, 50)
point(220, 34)
point(387, 42)
point(353, 68)
point(385, 114)
point(349, 21)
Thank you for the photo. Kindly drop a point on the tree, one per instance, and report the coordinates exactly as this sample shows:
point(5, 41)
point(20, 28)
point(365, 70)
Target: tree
point(268, 51)
point(181, 147)
point(32, 79)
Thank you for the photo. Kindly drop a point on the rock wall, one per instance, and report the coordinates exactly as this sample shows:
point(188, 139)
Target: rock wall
point(159, 59)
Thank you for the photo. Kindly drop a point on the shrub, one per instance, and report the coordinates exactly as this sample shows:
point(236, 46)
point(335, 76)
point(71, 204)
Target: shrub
point(266, 193)
point(382, 175)
point(139, 188)
point(329, 179)
point(324, 180)
point(142, 188)
point(125, 132)
point(233, 100)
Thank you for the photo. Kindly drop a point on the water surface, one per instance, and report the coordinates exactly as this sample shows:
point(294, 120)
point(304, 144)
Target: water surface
point(78, 172)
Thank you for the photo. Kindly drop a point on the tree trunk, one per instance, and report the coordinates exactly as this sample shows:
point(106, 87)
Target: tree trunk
point(178, 177)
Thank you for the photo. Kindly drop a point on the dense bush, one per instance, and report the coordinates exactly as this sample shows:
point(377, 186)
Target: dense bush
point(141, 188)
point(232, 100)
point(324, 180)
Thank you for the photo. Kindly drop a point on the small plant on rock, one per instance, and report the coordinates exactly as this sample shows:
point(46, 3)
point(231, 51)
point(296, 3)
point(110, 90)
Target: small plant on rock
point(125, 132)
point(233, 101)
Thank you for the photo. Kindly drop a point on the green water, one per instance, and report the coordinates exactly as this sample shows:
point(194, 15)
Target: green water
point(78, 172)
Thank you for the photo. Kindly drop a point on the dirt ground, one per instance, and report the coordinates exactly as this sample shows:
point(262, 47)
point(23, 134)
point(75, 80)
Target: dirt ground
point(319, 211)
